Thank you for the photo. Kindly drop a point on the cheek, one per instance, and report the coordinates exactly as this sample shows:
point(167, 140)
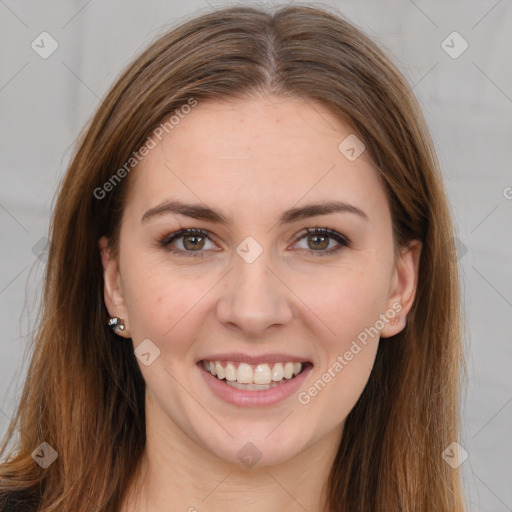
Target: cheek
point(348, 312)
point(345, 302)
point(162, 305)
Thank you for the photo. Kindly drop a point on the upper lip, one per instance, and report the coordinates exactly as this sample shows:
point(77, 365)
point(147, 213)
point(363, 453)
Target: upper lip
point(263, 358)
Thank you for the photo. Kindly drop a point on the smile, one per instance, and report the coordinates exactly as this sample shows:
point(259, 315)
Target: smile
point(254, 380)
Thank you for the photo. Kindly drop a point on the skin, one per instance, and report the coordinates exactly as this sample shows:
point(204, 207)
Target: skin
point(252, 160)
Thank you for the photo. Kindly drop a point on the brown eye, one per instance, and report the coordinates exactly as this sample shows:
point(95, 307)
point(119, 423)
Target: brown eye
point(318, 242)
point(193, 242)
point(187, 242)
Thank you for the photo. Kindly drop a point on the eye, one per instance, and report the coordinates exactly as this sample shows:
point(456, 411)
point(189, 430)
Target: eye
point(191, 240)
point(319, 241)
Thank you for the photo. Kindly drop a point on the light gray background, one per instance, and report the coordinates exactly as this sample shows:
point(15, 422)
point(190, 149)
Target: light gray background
point(44, 103)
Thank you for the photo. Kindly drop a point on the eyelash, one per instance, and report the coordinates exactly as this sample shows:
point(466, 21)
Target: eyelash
point(341, 239)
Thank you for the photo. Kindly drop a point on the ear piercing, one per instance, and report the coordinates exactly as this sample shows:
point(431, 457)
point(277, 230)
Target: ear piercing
point(116, 323)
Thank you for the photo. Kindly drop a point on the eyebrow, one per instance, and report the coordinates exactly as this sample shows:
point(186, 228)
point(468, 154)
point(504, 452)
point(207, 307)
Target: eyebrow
point(202, 212)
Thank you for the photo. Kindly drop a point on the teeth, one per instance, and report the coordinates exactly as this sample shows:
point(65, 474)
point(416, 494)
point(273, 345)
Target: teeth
point(261, 374)
point(230, 373)
point(288, 370)
point(219, 370)
point(252, 387)
point(244, 375)
point(277, 372)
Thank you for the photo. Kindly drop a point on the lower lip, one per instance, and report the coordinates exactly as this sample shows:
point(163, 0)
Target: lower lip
point(262, 398)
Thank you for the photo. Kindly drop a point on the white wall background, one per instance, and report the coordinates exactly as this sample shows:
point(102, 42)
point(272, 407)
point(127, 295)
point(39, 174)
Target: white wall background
point(467, 100)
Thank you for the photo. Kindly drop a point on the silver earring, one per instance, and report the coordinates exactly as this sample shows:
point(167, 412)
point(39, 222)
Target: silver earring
point(116, 323)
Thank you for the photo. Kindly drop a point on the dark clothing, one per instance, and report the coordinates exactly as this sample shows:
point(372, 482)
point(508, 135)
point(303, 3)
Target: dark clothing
point(19, 501)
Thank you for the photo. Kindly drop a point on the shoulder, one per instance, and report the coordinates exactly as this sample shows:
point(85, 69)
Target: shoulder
point(18, 501)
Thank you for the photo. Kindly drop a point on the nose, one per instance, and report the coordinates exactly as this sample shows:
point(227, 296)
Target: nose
point(254, 299)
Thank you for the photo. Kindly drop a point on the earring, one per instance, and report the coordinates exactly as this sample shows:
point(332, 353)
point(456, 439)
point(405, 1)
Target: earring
point(116, 323)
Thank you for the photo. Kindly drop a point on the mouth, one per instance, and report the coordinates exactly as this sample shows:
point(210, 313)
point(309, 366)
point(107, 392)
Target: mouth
point(254, 376)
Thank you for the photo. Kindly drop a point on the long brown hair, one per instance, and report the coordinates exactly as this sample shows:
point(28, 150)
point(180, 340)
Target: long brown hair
point(84, 394)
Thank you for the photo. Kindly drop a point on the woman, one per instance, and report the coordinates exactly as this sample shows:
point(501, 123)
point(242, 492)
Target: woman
point(251, 296)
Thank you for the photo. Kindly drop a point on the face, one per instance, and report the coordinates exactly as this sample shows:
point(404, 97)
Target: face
point(250, 287)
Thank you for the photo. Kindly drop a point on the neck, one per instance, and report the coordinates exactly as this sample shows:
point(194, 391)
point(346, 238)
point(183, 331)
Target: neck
point(177, 472)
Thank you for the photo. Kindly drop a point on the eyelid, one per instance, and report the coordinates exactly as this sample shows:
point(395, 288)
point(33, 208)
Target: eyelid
point(184, 232)
point(322, 231)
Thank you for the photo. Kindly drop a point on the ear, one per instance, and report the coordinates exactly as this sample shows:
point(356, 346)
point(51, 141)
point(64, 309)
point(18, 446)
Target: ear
point(113, 292)
point(403, 289)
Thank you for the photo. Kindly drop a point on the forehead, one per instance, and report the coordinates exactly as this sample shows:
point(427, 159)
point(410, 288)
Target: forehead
point(249, 153)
